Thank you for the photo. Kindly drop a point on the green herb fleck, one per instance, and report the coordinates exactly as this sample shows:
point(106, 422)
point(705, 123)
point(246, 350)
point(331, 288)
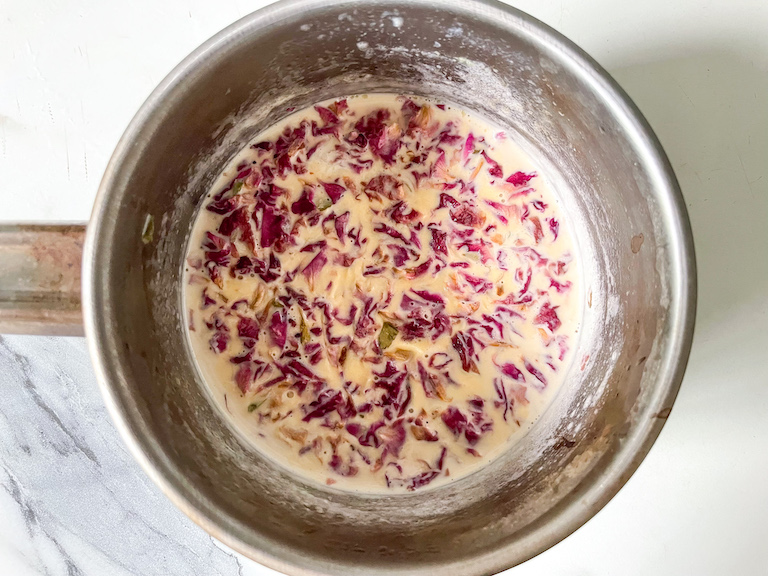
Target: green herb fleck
point(324, 204)
point(387, 335)
point(276, 303)
point(305, 337)
point(236, 187)
point(255, 406)
point(148, 233)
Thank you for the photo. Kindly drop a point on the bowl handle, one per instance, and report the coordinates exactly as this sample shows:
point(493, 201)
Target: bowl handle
point(40, 279)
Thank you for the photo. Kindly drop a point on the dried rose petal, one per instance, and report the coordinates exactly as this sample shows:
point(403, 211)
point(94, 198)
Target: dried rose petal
point(554, 227)
point(494, 169)
point(326, 115)
point(385, 186)
point(272, 227)
point(312, 269)
point(244, 377)
point(334, 191)
point(278, 328)
point(469, 146)
point(383, 228)
point(438, 241)
point(512, 371)
point(548, 317)
point(219, 342)
point(467, 216)
point(521, 178)
point(535, 372)
point(464, 345)
point(304, 204)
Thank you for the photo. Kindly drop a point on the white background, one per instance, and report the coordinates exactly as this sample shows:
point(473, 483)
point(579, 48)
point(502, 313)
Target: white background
point(72, 74)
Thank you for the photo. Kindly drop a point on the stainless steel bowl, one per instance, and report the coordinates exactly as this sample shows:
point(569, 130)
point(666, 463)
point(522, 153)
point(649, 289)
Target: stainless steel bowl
point(614, 182)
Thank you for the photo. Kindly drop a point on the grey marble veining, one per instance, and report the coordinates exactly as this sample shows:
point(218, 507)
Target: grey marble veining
point(73, 501)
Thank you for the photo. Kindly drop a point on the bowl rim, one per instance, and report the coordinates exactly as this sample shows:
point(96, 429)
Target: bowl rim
point(557, 523)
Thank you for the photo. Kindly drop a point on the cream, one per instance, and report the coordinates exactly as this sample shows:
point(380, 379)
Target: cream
point(382, 293)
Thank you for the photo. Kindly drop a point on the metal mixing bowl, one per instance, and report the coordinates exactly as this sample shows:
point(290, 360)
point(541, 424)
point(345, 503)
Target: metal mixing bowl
point(615, 185)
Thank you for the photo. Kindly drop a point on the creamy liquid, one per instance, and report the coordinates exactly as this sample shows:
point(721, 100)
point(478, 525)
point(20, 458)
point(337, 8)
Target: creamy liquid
point(515, 221)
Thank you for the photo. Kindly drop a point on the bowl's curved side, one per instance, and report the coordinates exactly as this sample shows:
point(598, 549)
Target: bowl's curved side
point(108, 349)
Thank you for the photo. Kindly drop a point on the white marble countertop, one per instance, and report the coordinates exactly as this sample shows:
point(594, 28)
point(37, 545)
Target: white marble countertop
point(73, 502)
